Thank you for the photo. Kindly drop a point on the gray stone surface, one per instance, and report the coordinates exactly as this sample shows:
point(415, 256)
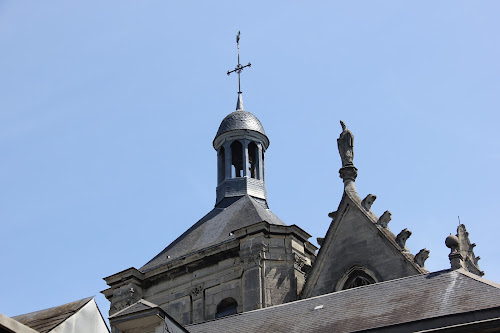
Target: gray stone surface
point(263, 265)
point(355, 239)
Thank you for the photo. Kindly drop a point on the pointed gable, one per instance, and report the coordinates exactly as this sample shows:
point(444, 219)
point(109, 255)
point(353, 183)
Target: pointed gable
point(359, 248)
point(355, 245)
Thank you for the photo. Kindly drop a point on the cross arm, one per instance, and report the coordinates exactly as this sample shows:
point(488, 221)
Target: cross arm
point(239, 68)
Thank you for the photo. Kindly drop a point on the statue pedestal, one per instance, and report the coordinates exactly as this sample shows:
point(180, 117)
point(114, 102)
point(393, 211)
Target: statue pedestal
point(348, 173)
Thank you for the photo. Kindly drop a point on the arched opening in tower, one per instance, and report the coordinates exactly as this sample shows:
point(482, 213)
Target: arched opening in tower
point(237, 159)
point(253, 160)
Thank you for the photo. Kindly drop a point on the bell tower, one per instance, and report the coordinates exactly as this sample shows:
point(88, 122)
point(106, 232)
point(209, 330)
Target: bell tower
point(238, 257)
point(240, 143)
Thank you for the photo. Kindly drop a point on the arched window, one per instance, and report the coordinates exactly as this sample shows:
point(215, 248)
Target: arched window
point(221, 160)
point(237, 158)
point(357, 276)
point(356, 279)
point(252, 159)
point(226, 307)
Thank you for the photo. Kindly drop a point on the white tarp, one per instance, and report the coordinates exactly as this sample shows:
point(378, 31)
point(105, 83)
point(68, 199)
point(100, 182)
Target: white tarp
point(87, 319)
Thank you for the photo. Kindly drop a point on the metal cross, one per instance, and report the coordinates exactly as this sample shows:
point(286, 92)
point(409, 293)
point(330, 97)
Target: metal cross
point(238, 68)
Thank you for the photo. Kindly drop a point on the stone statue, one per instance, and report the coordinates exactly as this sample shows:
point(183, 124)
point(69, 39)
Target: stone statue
point(345, 143)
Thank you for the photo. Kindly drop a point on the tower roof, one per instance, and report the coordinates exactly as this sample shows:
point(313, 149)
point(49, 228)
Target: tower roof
point(214, 228)
point(240, 120)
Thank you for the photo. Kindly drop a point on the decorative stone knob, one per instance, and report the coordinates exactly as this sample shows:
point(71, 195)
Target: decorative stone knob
point(451, 242)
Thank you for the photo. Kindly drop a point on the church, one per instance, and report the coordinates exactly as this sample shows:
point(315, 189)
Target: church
point(240, 268)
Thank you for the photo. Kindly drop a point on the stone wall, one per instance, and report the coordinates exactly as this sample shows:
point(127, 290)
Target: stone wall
point(265, 265)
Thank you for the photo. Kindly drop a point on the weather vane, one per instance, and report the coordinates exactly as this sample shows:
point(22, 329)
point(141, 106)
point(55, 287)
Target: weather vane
point(239, 67)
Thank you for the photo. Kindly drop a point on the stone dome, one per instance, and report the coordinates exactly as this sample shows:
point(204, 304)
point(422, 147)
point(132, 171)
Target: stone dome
point(240, 120)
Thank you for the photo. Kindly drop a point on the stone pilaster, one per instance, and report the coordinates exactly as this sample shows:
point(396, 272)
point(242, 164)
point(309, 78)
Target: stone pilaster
point(456, 260)
point(245, 158)
point(252, 278)
point(197, 304)
point(227, 165)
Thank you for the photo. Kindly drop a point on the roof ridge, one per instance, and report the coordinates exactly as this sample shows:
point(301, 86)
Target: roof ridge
point(478, 278)
point(141, 301)
point(148, 303)
point(86, 299)
point(266, 211)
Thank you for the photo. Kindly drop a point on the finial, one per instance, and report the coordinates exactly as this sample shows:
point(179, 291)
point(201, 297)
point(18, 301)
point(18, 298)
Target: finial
point(238, 69)
point(239, 103)
point(452, 243)
point(462, 253)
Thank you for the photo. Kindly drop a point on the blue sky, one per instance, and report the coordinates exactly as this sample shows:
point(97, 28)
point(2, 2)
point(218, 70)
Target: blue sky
point(108, 110)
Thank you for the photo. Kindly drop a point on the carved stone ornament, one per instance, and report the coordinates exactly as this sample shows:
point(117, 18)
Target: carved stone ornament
point(368, 201)
point(348, 173)
point(462, 251)
point(345, 143)
point(402, 237)
point(384, 220)
point(197, 291)
point(251, 260)
point(299, 262)
point(421, 257)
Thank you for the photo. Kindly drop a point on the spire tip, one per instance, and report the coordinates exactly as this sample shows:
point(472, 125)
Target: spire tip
point(239, 103)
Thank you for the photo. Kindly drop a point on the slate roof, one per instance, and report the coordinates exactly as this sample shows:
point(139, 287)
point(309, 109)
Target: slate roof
point(138, 306)
point(46, 320)
point(240, 119)
point(373, 306)
point(213, 229)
